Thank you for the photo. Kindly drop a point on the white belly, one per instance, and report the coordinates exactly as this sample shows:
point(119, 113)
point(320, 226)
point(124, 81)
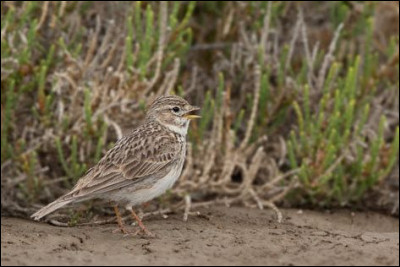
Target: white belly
point(133, 197)
point(159, 188)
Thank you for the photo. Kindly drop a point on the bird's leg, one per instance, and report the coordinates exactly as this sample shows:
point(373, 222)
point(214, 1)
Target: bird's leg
point(119, 220)
point(141, 212)
point(140, 223)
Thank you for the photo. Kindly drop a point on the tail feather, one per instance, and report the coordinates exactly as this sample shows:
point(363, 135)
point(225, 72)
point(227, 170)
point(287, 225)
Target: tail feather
point(59, 203)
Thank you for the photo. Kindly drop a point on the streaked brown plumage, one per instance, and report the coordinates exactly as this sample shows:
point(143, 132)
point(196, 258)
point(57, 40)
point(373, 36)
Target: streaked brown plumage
point(141, 165)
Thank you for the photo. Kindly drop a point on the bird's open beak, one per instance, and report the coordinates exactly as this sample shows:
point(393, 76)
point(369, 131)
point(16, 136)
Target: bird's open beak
point(190, 116)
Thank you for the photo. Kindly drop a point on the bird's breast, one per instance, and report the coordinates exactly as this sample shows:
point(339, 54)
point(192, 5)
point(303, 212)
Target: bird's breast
point(135, 196)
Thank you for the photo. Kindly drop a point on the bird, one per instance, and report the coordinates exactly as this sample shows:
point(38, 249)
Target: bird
point(141, 166)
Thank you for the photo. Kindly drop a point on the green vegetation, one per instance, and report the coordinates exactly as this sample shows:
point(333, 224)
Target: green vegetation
point(296, 106)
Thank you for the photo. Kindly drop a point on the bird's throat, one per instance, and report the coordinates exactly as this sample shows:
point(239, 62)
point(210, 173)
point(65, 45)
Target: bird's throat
point(179, 129)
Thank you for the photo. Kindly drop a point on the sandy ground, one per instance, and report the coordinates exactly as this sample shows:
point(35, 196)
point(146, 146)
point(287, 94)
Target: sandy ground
point(222, 236)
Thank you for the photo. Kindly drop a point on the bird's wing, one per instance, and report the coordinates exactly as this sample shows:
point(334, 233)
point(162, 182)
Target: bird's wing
point(128, 162)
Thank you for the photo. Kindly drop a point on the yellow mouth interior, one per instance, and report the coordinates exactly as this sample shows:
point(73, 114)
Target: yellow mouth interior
point(191, 117)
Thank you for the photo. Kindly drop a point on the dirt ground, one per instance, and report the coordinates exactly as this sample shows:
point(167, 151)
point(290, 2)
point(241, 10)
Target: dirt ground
point(221, 236)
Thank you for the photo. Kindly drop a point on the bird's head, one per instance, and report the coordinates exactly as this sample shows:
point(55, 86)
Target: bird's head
point(173, 112)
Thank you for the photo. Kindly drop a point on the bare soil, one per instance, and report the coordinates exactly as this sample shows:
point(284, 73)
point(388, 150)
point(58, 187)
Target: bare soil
point(221, 236)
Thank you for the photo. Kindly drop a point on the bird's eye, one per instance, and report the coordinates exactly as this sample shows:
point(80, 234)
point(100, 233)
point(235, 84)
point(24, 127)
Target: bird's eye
point(176, 109)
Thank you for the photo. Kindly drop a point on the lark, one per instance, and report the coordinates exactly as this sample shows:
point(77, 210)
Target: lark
point(141, 166)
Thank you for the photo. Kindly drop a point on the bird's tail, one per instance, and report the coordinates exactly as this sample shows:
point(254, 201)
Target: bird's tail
point(55, 205)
